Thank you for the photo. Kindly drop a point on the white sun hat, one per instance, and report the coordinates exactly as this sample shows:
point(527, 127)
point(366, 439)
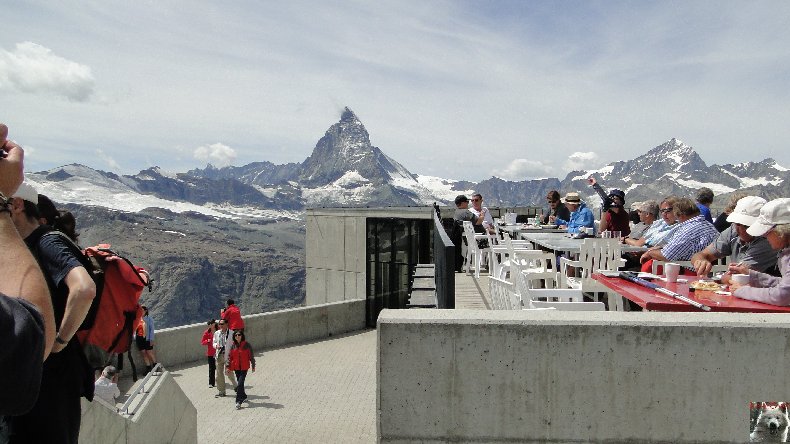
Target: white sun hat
point(747, 210)
point(775, 212)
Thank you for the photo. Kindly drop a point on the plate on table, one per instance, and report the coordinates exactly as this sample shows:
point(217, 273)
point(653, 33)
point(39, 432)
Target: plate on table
point(549, 226)
point(705, 285)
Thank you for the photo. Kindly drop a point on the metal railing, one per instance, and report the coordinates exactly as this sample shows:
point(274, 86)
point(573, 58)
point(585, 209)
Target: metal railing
point(444, 264)
point(156, 371)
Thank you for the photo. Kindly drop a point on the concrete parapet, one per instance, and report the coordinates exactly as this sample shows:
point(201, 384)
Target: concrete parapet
point(180, 345)
point(546, 376)
point(165, 415)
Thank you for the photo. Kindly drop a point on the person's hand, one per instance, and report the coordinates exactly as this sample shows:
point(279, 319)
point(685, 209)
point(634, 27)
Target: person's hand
point(702, 266)
point(552, 218)
point(563, 227)
point(227, 371)
point(253, 369)
point(58, 347)
point(591, 180)
point(738, 268)
point(11, 168)
point(726, 277)
point(645, 257)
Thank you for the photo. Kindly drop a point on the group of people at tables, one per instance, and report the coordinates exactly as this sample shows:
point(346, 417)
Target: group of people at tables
point(752, 232)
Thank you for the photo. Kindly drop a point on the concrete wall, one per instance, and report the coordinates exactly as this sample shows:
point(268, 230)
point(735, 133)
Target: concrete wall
point(180, 345)
point(165, 416)
point(335, 250)
point(544, 376)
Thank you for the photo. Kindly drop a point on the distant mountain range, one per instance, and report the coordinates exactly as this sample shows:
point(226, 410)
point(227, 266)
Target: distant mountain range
point(209, 234)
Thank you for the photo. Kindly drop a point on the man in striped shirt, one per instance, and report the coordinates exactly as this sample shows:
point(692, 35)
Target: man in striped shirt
point(693, 234)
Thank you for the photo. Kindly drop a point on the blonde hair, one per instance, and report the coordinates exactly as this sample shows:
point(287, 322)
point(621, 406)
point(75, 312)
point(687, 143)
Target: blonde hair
point(734, 198)
point(782, 229)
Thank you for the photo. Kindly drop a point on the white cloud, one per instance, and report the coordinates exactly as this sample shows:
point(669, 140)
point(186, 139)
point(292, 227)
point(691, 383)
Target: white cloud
point(32, 68)
point(217, 154)
point(523, 169)
point(110, 161)
point(582, 161)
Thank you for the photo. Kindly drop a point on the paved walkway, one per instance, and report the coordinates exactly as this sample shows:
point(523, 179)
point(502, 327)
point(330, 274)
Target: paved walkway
point(322, 391)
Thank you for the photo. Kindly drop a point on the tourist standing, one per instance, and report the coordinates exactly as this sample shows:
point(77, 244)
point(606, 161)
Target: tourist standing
point(208, 341)
point(222, 342)
point(240, 359)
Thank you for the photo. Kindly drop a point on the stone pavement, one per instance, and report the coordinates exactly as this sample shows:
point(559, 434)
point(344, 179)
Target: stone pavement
point(323, 391)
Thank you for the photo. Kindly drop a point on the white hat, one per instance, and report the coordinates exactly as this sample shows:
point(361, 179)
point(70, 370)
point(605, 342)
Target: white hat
point(747, 210)
point(775, 212)
point(27, 192)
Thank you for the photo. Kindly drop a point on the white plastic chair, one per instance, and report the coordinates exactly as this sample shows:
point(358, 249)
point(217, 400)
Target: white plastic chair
point(473, 251)
point(501, 292)
point(594, 254)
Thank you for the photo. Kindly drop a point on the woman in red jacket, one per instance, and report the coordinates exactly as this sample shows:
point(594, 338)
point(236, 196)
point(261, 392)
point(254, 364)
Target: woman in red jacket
point(240, 359)
point(208, 341)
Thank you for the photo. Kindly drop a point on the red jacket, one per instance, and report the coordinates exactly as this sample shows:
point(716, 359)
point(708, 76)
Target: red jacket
point(208, 341)
point(233, 316)
point(241, 356)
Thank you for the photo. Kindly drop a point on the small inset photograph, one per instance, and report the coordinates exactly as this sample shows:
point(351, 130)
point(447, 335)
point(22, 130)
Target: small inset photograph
point(768, 421)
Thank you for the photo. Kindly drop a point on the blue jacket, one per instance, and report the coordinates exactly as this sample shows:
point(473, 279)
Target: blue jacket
point(582, 217)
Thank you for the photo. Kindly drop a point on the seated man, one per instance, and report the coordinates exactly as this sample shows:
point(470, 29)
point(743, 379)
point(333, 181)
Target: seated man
point(106, 387)
point(480, 211)
point(753, 252)
point(660, 231)
point(462, 214)
point(581, 217)
point(693, 234)
point(556, 208)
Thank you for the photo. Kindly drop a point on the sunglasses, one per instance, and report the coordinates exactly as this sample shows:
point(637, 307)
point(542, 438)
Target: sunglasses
point(237, 334)
point(476, 200)
point(666, 210)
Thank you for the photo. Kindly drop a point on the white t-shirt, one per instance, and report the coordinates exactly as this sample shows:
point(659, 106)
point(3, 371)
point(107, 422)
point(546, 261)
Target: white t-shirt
point(106, 390)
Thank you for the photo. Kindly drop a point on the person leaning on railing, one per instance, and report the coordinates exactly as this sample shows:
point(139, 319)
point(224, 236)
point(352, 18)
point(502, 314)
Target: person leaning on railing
point(774, 225)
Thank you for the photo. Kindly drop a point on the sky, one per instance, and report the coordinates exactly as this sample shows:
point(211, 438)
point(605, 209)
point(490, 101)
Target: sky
point(454, 89)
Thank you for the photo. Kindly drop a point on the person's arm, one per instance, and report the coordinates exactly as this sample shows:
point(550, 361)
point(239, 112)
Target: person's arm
point(149, 334)
point(703, 260)
point(653, 253)
point(82, 290)
point(21, 275)
point(598, 189)
point(777, 294)
point(604, 222)
point(252, 357)
point(636, 242)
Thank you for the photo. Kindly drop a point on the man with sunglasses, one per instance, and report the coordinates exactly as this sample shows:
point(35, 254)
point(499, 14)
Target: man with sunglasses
point(482, 212)
point(693, 234)
point(556, 208)
point(753, 252)
point(222, 343)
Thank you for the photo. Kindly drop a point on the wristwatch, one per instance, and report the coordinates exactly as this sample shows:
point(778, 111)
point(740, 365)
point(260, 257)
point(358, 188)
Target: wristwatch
point(60, 341)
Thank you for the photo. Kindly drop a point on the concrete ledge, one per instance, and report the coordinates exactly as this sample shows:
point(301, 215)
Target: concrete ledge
point(165, 415)
point(181, 345)
point(543, 376)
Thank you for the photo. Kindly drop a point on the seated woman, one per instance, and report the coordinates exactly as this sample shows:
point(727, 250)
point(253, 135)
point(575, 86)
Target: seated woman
point(774, 225)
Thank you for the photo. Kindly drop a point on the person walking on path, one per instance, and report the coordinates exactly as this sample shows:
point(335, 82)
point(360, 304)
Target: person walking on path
point(208, 341)
point(144, 337)
point(222, 343)
point(240, 359)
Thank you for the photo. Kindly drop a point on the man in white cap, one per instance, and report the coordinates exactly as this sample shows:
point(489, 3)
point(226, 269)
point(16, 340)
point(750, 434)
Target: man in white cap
point(753, 252)
point(774, 225)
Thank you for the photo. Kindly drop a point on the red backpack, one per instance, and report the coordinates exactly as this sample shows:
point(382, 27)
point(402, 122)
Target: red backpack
point(116, 310)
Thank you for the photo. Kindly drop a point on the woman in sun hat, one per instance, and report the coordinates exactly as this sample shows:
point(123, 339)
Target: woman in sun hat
point(774, 225)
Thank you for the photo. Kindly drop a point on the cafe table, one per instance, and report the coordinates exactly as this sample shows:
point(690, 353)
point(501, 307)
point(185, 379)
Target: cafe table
point(563, 243)
point(516, 229)
point(651, 300)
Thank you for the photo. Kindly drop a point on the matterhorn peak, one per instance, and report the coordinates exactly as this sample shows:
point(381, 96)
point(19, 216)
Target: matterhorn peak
point(348, 115)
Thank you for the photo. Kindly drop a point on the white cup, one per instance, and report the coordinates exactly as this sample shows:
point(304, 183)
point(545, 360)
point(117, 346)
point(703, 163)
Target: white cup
point(740, 279)
point(671, 270)
point(590, 231)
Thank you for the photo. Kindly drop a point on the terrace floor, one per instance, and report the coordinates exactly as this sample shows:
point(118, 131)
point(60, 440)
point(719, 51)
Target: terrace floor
point(322, 391)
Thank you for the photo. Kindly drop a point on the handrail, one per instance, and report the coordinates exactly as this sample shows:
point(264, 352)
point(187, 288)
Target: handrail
point(124, 410)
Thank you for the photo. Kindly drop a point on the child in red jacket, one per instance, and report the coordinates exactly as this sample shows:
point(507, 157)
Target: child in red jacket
point(240, 359)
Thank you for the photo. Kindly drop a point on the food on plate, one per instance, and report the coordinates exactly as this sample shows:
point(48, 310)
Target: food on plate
point(705, 285)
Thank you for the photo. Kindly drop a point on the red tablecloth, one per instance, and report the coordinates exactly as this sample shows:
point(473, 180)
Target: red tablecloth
point(649, 299)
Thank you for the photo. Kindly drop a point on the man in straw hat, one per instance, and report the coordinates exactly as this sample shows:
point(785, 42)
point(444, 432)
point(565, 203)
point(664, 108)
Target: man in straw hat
point(581, 216)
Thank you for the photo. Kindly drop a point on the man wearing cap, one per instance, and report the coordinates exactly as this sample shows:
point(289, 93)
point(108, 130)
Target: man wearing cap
point(773, 224)
point(67, 375)
point(581, 216)
point(614, 217)
point(753, 252)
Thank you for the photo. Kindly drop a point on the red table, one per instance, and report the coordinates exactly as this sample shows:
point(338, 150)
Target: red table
point(651, 300)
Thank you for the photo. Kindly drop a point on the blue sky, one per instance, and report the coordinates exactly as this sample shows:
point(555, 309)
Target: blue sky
point(462, 90)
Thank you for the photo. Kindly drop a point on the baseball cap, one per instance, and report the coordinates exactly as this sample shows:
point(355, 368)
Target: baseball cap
point(775, 212)
point(27, 192)
point(747, 210)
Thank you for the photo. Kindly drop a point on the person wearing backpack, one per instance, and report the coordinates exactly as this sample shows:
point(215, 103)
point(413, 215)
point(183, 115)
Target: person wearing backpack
point(240, 359)
point(66, 374)
point(208, 341)
point(144, 338)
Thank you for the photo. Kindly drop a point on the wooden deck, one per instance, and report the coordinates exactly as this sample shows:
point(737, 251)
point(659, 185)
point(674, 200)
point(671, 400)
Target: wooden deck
point(471, 293)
